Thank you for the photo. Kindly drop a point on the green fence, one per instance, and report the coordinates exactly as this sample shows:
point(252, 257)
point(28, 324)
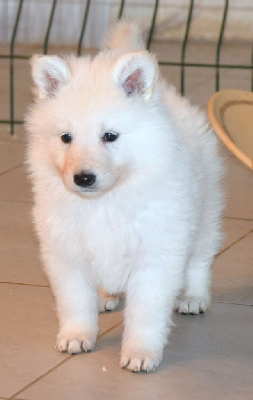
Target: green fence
point(182, 64)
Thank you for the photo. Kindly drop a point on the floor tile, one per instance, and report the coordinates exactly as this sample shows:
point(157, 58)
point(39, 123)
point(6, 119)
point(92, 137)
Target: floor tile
point(19, 261)
point(234, 230)
point(200, 81)
point(239, 186)
point(5, 90)
point(233, 273)
point(23, 93)
point(27, 335)
point(11, 155)
point(14, 185)
point(208, 358)
point(18, 137)
point(29, 324)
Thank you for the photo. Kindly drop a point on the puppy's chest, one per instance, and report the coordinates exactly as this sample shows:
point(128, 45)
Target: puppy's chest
point(111, 243)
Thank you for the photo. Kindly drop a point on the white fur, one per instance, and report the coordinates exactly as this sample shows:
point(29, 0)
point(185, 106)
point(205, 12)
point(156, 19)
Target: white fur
point(125, 37)
point(151, 223)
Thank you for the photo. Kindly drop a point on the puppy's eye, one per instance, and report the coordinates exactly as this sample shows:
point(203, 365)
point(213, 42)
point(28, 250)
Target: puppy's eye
point(110, 137)
point(66, 137)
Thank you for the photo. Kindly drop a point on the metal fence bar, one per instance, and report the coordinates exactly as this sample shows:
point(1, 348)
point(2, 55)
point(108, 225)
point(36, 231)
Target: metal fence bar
point(12, 78)
point(14, 122)
point(121, 9)
point(206, 65)
point(220, 41)
point(185, 42)
point(152, 28)
point(85, 19)
point(14, 56)
point(167, 63)
point(50, 22)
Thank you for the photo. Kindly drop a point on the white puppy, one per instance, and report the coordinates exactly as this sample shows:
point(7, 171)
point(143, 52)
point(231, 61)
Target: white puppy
point(127, 183)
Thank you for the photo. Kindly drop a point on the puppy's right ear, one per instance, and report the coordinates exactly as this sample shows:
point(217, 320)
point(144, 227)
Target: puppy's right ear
point(49, 74)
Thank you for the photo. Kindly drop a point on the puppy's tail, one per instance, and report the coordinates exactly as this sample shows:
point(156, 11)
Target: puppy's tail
point(125, 37)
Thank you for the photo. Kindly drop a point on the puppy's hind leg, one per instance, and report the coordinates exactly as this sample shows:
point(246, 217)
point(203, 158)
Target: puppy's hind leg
point(107, 302)
point(196, 297)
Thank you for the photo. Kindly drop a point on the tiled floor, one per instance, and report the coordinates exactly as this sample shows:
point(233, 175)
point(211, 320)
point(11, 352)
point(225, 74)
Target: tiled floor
point(210, 357)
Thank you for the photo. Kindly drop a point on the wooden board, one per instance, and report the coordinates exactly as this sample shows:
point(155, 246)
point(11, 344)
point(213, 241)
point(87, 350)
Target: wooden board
point(231, 115)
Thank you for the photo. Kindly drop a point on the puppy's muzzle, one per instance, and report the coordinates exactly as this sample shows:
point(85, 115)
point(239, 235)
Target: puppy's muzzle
point(84, 179)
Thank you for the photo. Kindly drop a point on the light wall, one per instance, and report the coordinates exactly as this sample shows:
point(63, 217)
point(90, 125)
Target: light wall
point(171, 19)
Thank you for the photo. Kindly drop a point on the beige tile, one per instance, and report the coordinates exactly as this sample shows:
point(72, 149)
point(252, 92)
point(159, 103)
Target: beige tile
point(240, 190)
point(234, 230)
point(27, 335)
point(22, 92)
point(233, 273)
point(231, 79)
point(14, 186)
point(5, 90)
point(23, 86)
point(18, 137)
point(202, 52)
point(11, 155)
point(208, 358)
point(200, 81)
point(19, 261)
point(172, 75)
point(199, 85)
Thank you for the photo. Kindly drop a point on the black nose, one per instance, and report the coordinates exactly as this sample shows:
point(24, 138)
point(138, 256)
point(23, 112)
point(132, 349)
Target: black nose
point(84, 180)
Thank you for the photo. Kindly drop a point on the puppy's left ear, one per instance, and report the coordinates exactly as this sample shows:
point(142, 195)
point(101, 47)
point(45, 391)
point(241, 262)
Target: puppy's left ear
point(135, 73)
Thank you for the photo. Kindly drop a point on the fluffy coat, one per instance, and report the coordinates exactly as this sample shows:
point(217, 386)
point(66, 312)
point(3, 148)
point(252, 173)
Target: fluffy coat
point(150, 224)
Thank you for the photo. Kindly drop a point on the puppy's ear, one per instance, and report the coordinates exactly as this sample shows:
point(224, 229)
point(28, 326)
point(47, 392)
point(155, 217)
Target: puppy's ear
point(49, 74)
point(135, 73)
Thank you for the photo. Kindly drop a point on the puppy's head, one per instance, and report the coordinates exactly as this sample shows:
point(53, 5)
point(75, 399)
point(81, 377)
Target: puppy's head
point(90, 118)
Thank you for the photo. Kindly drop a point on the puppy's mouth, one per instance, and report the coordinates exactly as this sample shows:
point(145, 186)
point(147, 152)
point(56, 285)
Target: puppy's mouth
point(89, 185)
point(95, 190)
point(88, 191)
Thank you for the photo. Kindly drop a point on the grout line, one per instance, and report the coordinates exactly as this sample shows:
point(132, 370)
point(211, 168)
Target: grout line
point(235, 242)
point(239, 219)
point(40, 377)
point(11, 169)
point(110, 329)
point(232, 303)
point(59, 364)
point(16, 398)
point(24, 284)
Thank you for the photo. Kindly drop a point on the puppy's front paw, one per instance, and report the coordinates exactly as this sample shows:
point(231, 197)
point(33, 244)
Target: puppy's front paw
point(191, 305)
point(75, 342)
point(137, 361)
